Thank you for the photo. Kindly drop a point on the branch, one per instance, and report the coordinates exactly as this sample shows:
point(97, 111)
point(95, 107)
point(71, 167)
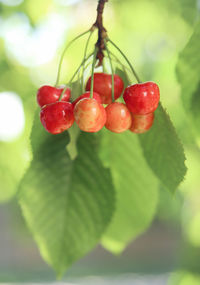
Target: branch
point(102, 33)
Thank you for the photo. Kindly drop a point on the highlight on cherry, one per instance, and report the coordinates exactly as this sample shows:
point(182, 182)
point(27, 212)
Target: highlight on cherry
point(105, 99)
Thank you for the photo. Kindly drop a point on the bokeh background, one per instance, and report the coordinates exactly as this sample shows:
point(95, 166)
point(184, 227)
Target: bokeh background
point(33, 34)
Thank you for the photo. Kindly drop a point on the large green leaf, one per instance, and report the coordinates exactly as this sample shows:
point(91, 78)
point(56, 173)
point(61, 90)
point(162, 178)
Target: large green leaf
point(66, 204)
point(163, 151)
point(188, 70)
point(136, 188)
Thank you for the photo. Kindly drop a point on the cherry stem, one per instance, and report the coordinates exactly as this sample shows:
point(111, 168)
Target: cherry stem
point(125, 57)
point(60, 98)
point(63, 54)
point(111, 65)
point(92, 74)
point(85, 54)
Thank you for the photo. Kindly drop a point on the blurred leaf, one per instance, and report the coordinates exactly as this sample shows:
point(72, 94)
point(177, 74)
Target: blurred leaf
point(188, 70)
point(190, 258)
point(189, 10)
point(12, 165)
point(76, 89)
point(36, 9)
point(123, 75)
point(164, 151)
point(184, 278)
point(136, 188)
point(67, 204)
point(169, 210)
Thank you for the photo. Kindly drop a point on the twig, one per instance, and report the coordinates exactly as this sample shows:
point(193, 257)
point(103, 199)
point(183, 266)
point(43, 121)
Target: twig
point(102, 33)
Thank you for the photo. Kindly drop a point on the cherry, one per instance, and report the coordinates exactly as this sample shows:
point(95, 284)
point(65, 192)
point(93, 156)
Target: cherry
point(89, 115)
point(96, 96)
point(142, 98)
point(118, 117)
point(57, 117)
point(49, 94)
point(141, 123)
point(103, 86)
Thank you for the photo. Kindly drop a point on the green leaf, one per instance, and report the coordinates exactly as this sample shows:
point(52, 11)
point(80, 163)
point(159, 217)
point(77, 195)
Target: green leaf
point(66, 204)
point(163, 151)
point(123, 74)
point(136, 188)
point(189, 10)
point(188, 70)
point(76, 89)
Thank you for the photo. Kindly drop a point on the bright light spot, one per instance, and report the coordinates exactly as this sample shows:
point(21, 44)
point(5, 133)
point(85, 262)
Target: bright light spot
point(11, 2)
point(33, 47)
point(67, 2)
point(12, 119)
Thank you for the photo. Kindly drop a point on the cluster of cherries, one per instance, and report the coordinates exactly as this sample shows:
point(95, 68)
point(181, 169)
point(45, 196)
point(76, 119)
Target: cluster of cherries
point(137, 114)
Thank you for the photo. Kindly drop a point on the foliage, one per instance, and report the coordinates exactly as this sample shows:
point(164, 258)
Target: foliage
point(67, 203)
point(188, 70)
point(83, 189)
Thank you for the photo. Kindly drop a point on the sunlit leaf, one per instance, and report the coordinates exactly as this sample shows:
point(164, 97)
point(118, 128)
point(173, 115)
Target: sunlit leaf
point(67, 204)
point(163, 151)
point(136, 187)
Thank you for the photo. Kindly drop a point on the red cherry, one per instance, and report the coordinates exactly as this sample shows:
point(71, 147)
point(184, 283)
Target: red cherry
point(57, 117)
point(141, 123)
point(118, 117)
point(103, 86)
point(142, 98)
point(49, 94)
point(96, 96)
point(89, 115)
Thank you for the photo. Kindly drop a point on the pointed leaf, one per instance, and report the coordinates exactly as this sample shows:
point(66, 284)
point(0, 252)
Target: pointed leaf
point(136, 187)
point(163, 151)
point(66, 204)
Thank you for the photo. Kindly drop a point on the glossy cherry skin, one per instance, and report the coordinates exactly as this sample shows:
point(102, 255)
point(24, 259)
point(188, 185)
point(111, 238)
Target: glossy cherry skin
point(96, 96)
point(49, 94)
point(142, 98)
point(103, 86)
point(57, 117)
point(141, 123)
point(89, 115)
point(118, 117)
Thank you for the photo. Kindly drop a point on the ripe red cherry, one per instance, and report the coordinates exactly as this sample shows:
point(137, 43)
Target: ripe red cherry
point(49, 94)
point(57, 117)
point(141, 123)
point(142, 98)
point(96, 96)
point(89, 115)
point(103, 86)
point(118, 117)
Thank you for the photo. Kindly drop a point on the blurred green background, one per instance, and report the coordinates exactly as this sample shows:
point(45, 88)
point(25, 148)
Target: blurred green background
point(33, 34)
